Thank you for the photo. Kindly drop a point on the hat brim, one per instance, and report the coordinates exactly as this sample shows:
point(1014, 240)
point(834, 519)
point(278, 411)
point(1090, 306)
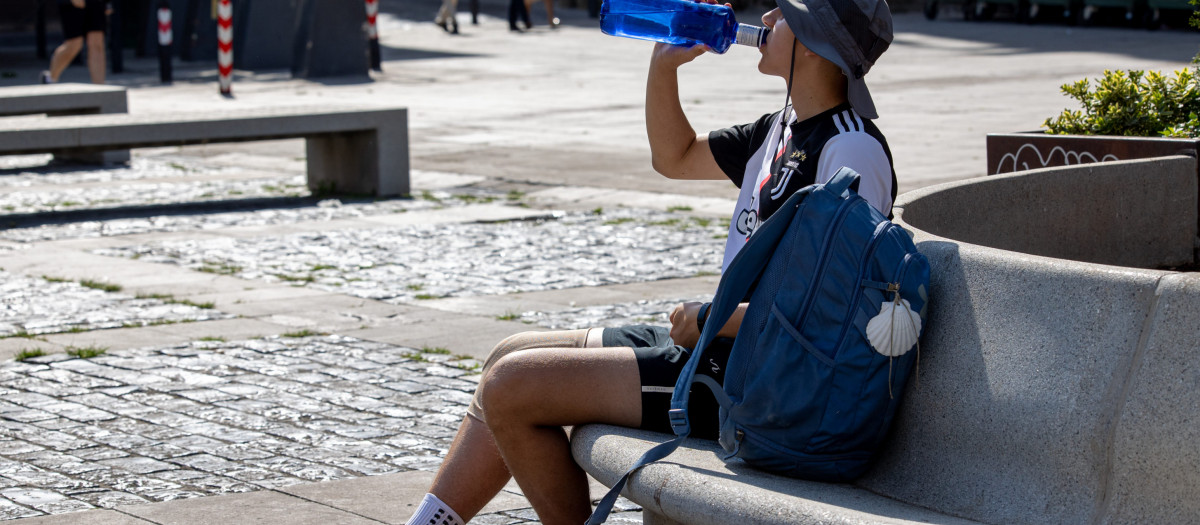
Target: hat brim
point(812, 33)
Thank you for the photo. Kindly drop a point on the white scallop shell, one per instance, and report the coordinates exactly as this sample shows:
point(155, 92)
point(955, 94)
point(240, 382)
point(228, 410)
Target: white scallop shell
point(895, 330)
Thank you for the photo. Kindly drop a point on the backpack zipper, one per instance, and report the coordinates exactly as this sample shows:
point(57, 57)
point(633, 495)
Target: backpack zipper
point(817, 275)
point(741, 435)
point(862, 265)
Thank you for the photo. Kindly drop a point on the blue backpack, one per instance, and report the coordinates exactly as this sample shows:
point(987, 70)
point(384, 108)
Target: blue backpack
point(837, 299)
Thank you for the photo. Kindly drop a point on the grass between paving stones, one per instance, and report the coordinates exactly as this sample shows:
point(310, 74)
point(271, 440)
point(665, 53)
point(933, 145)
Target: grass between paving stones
point(29, 353)
point(213, 339)
point(86, 352)
point(508, 315)
point(475, 199)
point(219, 268)
point(471, 365)
point(301, 333)
point(22, 334)
point(157, 322)
point(171, 299)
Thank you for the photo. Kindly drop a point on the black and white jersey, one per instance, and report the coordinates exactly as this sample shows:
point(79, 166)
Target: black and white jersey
point(778, 160)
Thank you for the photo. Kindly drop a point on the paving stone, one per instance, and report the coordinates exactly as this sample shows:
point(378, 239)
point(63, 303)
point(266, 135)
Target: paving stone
point(204, 482)
point(58, 462)
point(12, 511)
point(112, 404)
point(162, 451)
point(57, 423)
point(205, 463)
point(99, 453)
point(13, 447)
point(139, 465)
point(111, 498)
point(241, 452)
point(45, 479)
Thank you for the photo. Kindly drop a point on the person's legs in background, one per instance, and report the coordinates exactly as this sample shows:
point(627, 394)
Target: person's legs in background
point(517, 8)
point(62, 57)
point(445, 17)
point(95, 57)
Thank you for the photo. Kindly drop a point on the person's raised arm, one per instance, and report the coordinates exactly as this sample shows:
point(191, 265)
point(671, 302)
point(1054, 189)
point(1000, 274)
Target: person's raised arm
point(676, 151)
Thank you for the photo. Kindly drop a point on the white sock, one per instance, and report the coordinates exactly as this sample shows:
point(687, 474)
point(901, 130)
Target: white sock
point(432, 511)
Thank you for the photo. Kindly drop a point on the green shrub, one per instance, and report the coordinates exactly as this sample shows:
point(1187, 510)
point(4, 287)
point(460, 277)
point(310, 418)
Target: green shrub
point(1133, 103)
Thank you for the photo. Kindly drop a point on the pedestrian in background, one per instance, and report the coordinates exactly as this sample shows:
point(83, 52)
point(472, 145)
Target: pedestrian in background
point(550, 18)
point(518, 8)
point(445, 17)
point(80, 19)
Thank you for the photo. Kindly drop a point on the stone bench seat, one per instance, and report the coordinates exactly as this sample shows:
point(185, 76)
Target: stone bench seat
point(62, 99)
point(355, 150)
point(694, 486)
point(1058, 378)
point(58, 100)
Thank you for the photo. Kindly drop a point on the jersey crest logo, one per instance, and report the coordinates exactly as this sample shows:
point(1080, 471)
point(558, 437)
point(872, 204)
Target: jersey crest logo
point(780, 189)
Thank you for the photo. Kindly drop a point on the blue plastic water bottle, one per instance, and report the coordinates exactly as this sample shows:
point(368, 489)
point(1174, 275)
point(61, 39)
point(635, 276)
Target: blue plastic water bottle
point(679, 22)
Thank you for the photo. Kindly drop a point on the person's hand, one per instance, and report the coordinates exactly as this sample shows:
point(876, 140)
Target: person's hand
point(683, 324)
point(672, 56)
point(79, 4)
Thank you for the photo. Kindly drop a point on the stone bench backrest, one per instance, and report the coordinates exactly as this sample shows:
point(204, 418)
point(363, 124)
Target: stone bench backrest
point(1050, 390)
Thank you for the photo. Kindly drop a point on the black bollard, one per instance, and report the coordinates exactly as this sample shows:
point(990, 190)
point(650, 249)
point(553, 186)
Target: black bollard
point(115, 41)
point(41, 30)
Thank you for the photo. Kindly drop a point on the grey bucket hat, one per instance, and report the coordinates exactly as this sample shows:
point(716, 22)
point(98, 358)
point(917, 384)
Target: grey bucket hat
point(849, 33)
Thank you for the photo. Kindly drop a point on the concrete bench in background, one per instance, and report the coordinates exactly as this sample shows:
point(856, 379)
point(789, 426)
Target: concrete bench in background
point(68, 99)
point(1059, 377)
point(350, 150)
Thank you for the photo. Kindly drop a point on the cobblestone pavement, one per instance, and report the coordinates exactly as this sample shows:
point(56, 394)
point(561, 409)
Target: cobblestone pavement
point(453, 260)
point(216, 417)
point(229, 192)
point(32, 306)
point(76, 188)
point(609, 315)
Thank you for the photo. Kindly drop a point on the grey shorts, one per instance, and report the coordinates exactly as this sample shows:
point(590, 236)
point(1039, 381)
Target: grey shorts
point(660, 361)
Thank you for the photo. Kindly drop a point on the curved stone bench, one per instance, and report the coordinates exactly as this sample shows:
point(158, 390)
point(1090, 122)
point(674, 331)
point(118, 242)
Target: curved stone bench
point(1059, 380)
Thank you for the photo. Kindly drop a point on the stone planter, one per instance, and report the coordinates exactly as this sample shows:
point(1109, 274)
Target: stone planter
point(1010, 152)
point(1013, 152)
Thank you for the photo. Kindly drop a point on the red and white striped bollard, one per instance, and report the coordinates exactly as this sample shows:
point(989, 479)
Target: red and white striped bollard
point(225, 46)
point(373, 34)
point(165, 39)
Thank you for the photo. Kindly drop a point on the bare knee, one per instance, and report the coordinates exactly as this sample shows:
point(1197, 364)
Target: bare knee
point(95, 42)
point(505, 390)
point(72, 46)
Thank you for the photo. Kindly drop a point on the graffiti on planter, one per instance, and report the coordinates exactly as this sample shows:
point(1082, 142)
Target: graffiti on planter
point(1028, 157)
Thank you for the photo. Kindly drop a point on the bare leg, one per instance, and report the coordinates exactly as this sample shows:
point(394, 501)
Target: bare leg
point(95, 58)
point(532, 394)
point(473, 471)
point(63, 55)
point(550, 14)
